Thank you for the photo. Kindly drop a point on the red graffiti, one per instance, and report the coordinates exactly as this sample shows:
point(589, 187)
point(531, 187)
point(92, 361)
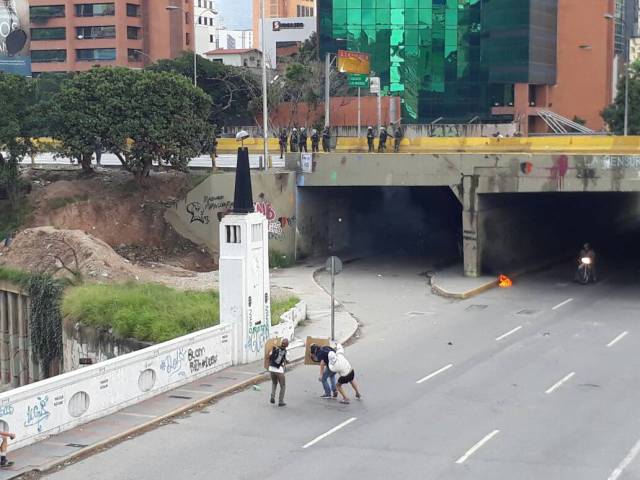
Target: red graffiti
point(266, 209)
point(559, 169)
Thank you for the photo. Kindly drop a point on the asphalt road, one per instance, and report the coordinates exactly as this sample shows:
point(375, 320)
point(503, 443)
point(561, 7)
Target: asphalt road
point(539, 381)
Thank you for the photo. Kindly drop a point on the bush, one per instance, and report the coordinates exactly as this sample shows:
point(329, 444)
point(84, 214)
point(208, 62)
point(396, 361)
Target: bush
point(280, 260)
point(280, 306)
point(144, 311)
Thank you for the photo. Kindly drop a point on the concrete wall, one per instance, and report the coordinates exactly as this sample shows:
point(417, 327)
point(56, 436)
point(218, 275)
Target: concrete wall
point(198, 215)
point(51, 406)
point(83, 345)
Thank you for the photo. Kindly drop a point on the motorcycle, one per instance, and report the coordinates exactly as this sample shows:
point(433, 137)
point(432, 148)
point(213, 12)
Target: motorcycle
point(584, 274)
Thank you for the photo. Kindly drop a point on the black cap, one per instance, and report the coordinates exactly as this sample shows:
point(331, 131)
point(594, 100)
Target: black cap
point(243, 197)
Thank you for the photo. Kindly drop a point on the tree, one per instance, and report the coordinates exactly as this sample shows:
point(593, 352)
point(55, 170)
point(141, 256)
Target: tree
point(15, 132)
point(614, 113)
point(141, 116)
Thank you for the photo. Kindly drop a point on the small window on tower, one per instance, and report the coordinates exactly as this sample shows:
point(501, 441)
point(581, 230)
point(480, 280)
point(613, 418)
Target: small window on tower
point(256, 232)
point(233, 234)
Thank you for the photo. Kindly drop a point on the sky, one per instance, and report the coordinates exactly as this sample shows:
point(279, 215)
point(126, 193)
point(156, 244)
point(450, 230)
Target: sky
point(236, 14)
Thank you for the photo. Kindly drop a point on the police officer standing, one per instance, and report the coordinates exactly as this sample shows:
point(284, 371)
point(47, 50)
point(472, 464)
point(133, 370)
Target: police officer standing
point(283, 141)
point(294, 140)
point(370, 138)
point(326, 140)
point(303, 139)
point(315, 141)
point(397, 139)
point(382, 143)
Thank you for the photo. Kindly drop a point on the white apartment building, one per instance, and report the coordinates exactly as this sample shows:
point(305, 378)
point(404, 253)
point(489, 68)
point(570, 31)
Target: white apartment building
point(207, 26)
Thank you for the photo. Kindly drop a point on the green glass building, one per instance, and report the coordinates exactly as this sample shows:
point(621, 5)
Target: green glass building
point(447, 58)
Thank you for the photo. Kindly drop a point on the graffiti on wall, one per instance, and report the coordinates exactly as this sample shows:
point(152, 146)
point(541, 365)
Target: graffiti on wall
point(199, 360)
point(257, 337)
point(173, 363)
point(38, 414)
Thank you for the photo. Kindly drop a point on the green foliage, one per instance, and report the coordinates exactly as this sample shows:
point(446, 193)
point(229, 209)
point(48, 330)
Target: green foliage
point(45, 324)
point(281, 306)
point(280, 260)
point(12, 218)
point(140, 116)
point(614, 113)
point(235, 92)
point(11, 275)
point(147, 312)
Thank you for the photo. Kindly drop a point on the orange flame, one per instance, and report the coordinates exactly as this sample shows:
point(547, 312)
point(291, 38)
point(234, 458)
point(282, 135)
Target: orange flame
point(504, 281)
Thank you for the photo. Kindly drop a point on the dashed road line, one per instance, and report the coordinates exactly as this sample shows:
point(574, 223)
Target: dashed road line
point(617, 339)
point(633, 453)
point(559, 383)
point(562, 304)
point(477, 446)
point(326, 434)
point(505, 335)
point(437, 372)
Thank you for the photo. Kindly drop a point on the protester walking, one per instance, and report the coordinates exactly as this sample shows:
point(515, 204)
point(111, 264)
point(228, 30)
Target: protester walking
point(370, 137)
point(339, 364)
point(294, 140)
point(326, 140)
point(315, 141)
point(382, 142)
point(283, 142)
point(327, 377)
point(277, 363)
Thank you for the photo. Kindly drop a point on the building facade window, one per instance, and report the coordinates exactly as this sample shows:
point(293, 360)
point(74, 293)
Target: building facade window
point(187, 38)
point(48, 56)
point(95, 54)
point(43, 14)
point(95, 9)
point(211, 39)
point(133, 10)
point(87, 33)
point(58, 33)
point(133, 33)
point(134, 55)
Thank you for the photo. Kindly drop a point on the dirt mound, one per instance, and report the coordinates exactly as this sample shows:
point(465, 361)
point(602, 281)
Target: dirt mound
point(61, 252)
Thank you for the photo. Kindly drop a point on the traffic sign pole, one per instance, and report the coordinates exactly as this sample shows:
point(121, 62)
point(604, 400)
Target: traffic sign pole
point(333, 312)
point(358, 112)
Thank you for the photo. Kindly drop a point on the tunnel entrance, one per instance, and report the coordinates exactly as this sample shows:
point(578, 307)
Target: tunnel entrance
point(523, 229)
point(390, 221)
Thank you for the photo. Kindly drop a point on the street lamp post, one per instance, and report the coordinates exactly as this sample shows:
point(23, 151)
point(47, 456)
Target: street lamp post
point(175, 8)
point(265, 106)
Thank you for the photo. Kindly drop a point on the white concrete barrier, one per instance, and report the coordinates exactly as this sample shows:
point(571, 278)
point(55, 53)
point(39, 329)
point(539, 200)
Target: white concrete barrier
point(289, 320)
point(60, 403)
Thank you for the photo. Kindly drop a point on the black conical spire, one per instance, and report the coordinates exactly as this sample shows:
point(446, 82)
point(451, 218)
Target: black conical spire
point(243, 197)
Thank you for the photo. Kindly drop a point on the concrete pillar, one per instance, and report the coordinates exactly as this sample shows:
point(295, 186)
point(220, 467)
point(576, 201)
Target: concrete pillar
point(521, 106)
point(470, 226)
point(23, 319)
point(5, 372)
point(14, 359)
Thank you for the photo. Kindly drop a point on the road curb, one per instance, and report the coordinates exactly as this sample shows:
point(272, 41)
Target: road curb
point(260, 378)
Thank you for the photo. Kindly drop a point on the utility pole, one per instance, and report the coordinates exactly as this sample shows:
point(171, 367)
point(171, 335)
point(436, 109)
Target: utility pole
point(327, 85)
point(265, 106)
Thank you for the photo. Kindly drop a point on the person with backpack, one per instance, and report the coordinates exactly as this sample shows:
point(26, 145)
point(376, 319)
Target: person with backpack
point(327, 377)
point(339, 364)
point(277, 362)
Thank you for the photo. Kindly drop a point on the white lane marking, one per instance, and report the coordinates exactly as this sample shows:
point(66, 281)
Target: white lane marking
point(477, 446)
point(568, 300)
point(559, 383)
point(131, 414)
point(617, 339)
point(333, 430)
point(431, 375)
point(508, 333)
point(625, 463)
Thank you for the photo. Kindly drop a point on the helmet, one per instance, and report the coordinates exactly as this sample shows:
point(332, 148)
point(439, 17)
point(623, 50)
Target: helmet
point(382, 128)
point(302, 129)
point(314, 131)
point(295, 129)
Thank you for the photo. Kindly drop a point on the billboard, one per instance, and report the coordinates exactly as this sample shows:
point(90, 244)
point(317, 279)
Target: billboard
point(353, 62)
point(14, 37)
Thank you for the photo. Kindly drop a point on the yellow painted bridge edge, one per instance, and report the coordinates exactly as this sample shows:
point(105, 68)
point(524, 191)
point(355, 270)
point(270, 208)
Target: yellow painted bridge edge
point(561, 144)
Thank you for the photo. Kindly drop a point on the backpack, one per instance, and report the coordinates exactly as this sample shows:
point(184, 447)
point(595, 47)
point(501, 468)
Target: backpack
point(276, 359)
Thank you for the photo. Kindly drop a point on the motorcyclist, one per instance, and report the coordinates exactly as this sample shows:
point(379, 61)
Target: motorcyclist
point(283, 141)
point(294, 140)
point(326, 140)
point(315, 141)
point(370, 137)
point(303, 139)
point(588, 252)
point(382, 143)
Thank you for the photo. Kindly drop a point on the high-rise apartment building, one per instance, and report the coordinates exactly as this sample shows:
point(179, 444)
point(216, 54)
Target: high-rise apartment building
point(74, 35)
point(207, 26)
point(493, 59)
point(280, 9)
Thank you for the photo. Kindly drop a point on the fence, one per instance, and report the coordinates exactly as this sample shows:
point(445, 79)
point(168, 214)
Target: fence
point(18, 364)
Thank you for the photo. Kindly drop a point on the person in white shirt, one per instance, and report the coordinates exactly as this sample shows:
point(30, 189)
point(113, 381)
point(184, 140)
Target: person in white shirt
point(339, 364)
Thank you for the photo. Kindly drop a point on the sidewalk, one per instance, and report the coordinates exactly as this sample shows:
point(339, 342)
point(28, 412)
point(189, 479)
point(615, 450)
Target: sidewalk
point(451, 283)
point(92, 436)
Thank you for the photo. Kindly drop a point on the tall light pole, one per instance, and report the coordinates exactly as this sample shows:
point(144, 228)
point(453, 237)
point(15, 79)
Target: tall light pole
point(265, 106)
point(175, 8)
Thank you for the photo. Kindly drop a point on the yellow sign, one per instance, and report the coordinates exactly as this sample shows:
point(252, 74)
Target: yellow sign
point(353, 62)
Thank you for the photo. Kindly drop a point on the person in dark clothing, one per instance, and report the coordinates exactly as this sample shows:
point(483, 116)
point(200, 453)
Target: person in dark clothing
point(294, 140)
point(283, 142)
point(327, 377)
point(326, 140)
point(397, 136)
point(277, 362)
point(370, 137)
point(315, 141)
point(303, 140)
point(382, 142)
point(4, 447)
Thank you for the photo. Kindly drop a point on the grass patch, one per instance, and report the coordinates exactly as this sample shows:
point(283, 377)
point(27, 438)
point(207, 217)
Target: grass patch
point(280, 306)
point(280, 260)
point(61, 202)
point(144, 311)
point(11, 275)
